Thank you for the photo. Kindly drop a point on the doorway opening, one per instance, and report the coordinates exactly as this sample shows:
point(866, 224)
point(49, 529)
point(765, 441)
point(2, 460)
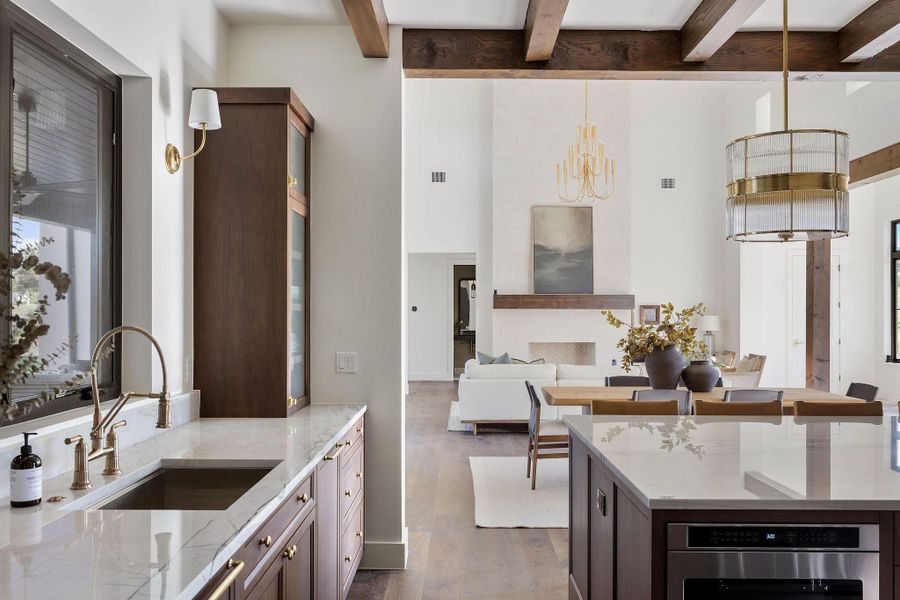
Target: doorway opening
point(464, 291)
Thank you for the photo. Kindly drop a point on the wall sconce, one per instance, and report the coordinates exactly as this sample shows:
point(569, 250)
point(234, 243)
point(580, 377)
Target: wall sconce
point(204, 116)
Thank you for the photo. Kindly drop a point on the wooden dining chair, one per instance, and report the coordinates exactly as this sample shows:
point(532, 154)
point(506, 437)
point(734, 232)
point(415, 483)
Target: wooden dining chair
point(863, 391)
point(754, 396)
point(811, 408)
point(543, 435)
point(683, 397)
point(627, 381)
point(630, 407)
point(771, 408)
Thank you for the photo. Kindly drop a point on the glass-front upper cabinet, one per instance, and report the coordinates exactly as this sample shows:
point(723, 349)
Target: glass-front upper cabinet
point(297, 163)
point(297, 337)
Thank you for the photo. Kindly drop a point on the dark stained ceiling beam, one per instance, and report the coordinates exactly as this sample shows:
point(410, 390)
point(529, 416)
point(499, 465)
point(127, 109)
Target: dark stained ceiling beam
point(874, 30)
point(750, 56)
point(542, 23)
point(370, 25)
point(712, 24)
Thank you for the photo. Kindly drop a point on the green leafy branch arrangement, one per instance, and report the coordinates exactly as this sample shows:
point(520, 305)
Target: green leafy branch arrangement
point(19, 359)
point(674, 328)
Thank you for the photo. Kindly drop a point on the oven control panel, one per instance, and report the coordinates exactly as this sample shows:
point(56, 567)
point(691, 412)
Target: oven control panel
point(772, 536)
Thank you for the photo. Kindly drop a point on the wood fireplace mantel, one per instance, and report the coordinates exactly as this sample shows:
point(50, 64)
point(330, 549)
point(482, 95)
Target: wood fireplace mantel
point(565, 301)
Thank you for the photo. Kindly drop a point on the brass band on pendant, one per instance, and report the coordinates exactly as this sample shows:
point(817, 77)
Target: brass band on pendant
point(786, 182)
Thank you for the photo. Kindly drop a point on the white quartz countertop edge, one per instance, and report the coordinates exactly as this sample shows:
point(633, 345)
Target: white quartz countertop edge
point(667, 503)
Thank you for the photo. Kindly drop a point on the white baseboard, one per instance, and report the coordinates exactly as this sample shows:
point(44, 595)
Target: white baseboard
point(386, 555)
point(430, 377)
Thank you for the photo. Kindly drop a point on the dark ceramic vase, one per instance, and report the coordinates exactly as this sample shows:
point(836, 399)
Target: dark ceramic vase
point(664, 367)
point(700, 376)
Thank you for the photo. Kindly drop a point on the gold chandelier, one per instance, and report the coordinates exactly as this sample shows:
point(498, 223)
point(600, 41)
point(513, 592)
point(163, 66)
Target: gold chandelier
point(789, 185)
point(586, 171)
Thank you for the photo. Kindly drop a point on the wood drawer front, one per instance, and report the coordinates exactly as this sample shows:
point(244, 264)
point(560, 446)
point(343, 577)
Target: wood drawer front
point(255, 553)
point(351, 482)
point(352, 545)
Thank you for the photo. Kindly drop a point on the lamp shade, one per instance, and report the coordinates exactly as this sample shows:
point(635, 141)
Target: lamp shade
point(710, 323)
point(205, 109)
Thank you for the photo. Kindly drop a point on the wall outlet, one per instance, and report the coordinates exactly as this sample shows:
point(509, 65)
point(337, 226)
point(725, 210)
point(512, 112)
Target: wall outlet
point(188, 370)
point(345, 362)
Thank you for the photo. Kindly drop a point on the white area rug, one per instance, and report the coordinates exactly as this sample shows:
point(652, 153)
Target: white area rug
point(453, 422)
point(503, 495)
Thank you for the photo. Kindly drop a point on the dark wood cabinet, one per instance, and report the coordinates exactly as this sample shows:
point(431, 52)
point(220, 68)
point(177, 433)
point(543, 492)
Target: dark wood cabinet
point(602, 526)
point(251, 256)
point(579, 522)
point(327, 573)
point(289, 575)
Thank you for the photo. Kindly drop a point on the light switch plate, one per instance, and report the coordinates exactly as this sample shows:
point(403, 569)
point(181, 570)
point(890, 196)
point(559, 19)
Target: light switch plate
point(345, 362)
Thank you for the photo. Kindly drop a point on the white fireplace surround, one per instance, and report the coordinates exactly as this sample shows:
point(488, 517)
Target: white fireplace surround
point(563, 353)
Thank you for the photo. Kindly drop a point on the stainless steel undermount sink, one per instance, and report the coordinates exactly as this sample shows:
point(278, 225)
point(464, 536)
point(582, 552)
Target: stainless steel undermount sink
point(176, 487)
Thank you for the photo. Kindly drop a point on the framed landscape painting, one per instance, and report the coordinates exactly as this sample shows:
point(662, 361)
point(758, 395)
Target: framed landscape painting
point(563, 249)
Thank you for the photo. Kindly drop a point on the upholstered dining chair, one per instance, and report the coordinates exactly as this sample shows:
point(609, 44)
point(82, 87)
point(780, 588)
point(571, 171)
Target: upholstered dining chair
point(863, 391)
point(754, 396)
point(811, 408)
point(683, 397)
point(543, 435)
point(627, 381)
point(708, 408)
point(629, 407)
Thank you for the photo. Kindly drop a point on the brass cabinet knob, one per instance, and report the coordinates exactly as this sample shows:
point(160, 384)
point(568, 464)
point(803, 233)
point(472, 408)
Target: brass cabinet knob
point(349, 443)
point(266, 541)
point(359, 474)
point(303, 498)
point(359, 534)
point(292, 181)
point(348, 493)
point(289, 553)
point(359, 429)
point(348, 558)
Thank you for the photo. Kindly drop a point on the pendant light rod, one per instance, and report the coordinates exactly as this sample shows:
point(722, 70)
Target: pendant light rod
point(784, 68)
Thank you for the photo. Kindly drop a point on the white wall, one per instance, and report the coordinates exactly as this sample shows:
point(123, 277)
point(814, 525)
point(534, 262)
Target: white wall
point(162, 49)
point(430, 327)
point(447, 127)
point(356, 238)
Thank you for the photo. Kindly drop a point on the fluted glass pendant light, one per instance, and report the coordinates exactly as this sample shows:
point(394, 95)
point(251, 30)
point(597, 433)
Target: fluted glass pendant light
point(789, 185)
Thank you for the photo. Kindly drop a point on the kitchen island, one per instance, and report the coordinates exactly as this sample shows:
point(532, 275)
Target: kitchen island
point(286, 536)
point(688, 508)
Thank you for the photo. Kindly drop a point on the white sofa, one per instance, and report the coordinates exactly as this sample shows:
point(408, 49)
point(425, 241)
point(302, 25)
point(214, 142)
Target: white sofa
point(496, 393)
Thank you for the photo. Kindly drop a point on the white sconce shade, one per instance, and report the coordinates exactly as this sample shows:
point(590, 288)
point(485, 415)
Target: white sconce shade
point(205, 109)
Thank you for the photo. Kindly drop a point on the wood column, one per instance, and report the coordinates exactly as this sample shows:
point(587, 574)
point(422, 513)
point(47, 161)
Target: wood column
point(818, 315)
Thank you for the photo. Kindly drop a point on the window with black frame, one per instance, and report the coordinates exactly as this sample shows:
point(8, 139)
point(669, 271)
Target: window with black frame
point(61, 282)
point(895, 291)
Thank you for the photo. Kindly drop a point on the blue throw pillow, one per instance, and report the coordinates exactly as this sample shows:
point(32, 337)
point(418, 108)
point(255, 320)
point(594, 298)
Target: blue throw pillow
point(487, 359)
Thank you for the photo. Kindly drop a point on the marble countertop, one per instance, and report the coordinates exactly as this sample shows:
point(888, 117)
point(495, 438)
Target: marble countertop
point(779, 463)
point(65, 550)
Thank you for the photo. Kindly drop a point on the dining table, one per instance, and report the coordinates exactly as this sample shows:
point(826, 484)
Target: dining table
point(583, 396)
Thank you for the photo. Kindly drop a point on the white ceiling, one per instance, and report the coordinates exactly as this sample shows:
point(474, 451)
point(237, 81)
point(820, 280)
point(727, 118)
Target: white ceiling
point(828, 15)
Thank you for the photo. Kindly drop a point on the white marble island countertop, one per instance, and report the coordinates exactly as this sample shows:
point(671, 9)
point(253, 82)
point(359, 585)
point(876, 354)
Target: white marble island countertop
point(65, 551)
point(720, 463)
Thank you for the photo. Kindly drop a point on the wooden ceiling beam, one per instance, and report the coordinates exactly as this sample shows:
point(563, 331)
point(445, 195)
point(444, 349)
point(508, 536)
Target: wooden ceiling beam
point(713, 24)
point(875, 166)
point(874, 30)
point(370, 25)
point(542, 23)
point(751, 56)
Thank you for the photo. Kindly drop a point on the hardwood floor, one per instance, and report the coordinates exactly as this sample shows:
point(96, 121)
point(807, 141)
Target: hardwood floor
point(448, 556)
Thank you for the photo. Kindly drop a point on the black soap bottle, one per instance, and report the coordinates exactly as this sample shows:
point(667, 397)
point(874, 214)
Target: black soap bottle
point(25, 477)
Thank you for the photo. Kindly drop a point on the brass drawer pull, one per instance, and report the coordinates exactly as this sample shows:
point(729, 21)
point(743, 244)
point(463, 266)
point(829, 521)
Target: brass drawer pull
point(348, 493)
point(289, 553)
point(339, 446)
point(234, 569)
point(348, 558)
point(266, 541)
point(303, 498)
